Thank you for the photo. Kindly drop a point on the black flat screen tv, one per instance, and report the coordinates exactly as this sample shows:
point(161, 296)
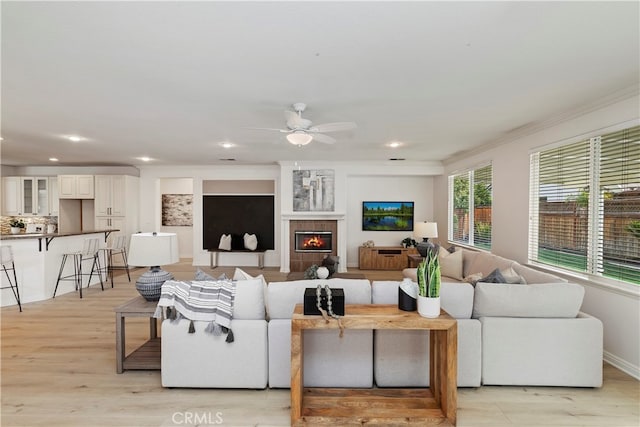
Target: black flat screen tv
point(387, 216)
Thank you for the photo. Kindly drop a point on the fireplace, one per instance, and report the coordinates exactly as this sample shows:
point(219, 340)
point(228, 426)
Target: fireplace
point(313, 241)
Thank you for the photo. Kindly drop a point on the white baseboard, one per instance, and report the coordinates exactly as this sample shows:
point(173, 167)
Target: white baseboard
point(622, 364)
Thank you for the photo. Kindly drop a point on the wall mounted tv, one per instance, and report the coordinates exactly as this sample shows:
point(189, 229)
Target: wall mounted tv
point(236, 215)
point(387, 216)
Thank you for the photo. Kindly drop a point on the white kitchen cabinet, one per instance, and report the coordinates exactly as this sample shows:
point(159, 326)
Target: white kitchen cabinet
point(11, 196)
point(116, 203)
point(35, 195)
point(54, 197)
point(75, 186)
point(25, 195)
point(110, 195)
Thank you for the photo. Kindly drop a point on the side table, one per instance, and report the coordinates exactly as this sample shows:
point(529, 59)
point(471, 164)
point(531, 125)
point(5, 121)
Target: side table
point(414, 260)
point(146, 356)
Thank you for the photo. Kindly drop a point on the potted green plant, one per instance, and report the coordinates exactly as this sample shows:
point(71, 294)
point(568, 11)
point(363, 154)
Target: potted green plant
point(429, 285)
point(408, 242)
point(16, 225)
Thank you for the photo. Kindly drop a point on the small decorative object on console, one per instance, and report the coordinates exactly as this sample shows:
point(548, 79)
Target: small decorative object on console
point(331, 300)
point(322, 272)
point(369, 244)
point(429, 285)
point(407, 295)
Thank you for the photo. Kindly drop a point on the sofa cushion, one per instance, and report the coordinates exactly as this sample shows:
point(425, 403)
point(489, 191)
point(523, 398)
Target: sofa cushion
point(455, 298)
point(241, 275)
point(450, 263)
point(282, 297)
point(536, 276)
point(249, 301)
point(558, 300)
point(485, 263)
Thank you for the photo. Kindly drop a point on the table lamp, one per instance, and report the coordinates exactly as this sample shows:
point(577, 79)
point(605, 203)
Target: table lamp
point(425, 230)
point(153, 250)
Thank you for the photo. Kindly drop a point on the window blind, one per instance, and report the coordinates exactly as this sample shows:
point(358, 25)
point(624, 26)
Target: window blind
point(585, 206)
point(470, 200)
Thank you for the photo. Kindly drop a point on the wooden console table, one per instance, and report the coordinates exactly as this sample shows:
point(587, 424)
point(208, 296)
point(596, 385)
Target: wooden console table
point(146, 356)
point(384, 257)
point(338, 406)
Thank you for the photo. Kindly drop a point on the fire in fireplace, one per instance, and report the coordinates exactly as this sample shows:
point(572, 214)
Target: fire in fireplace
point(313, 241)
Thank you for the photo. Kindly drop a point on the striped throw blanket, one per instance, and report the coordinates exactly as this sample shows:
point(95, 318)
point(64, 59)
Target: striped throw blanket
point(207, 301)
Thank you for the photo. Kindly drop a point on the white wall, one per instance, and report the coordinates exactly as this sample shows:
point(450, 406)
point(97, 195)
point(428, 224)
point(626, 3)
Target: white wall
point(184, 233)
point(418, 189)
point(151, 178)
point(374, 181)
point(619, 310)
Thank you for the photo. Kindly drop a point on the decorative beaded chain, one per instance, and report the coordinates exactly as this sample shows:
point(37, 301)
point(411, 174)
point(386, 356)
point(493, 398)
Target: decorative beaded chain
point(329, 306)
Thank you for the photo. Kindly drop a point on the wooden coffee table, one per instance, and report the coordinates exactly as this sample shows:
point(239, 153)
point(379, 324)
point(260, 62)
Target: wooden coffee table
point(380, 406)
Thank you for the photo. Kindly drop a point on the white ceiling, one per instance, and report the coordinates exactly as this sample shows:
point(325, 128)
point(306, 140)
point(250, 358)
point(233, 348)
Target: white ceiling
point(171, 80)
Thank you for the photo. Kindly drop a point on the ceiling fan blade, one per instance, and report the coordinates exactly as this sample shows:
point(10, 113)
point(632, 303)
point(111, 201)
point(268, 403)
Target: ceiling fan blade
point(277, 130)
point(325, 139)
point(334, 127)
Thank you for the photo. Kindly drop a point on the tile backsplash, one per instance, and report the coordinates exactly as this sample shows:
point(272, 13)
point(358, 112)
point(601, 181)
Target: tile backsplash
point(44, 220)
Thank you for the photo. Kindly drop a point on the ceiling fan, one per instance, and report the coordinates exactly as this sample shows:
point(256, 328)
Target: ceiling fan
point(301, 131)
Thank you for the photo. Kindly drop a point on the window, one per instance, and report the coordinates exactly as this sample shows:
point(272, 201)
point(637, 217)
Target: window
point(470, 196)
point(585, 206)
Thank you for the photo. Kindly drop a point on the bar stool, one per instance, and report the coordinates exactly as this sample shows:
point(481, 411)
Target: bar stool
point(118, 247)
point(6, 258)
point(90, 251)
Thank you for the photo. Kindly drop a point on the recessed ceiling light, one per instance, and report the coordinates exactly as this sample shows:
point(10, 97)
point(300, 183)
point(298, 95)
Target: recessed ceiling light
point(227, 144)
point(53, 159)
point(75, 138)
point(145, 159)
point(394, 144)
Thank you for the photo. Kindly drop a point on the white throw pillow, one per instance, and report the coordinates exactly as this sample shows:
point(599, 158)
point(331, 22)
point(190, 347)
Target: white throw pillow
point(241, 275)
point(450, 263)
point(225, 242)
point(250, 241)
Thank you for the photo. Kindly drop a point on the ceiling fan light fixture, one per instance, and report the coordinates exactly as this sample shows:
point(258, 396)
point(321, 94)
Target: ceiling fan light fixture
point(299, 138)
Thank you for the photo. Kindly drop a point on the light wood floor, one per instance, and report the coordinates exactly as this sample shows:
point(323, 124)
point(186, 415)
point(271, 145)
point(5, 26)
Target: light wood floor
point(59, 369)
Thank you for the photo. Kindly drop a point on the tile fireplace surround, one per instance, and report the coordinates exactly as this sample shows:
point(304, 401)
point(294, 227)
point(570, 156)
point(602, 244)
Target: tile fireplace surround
point(300, 261)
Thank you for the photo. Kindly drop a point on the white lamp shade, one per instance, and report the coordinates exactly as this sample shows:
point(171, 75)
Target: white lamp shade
point(299, 138)
point(153, 249)
point(425, 229)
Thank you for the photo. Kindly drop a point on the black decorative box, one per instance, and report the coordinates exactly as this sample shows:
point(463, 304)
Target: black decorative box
point(310, 301)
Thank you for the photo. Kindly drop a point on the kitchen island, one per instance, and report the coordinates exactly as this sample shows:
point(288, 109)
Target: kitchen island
point(37, 257)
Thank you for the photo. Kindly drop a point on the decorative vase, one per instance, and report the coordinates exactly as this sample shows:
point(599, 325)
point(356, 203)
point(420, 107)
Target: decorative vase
point(15, 230)
point(322, 272)
point(428, 307)
point(149, 284)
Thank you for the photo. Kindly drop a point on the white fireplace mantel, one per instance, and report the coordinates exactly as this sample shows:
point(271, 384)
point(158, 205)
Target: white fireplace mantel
point(339, 217)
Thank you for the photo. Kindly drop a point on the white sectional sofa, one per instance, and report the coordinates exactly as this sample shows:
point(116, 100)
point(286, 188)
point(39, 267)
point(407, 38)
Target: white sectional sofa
point(508, 334)
point(532, 333)
point(203, 360)
point(401, 358)
point(329, 361)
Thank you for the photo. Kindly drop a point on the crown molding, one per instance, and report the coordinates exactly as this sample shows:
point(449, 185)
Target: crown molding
point(549, 122)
